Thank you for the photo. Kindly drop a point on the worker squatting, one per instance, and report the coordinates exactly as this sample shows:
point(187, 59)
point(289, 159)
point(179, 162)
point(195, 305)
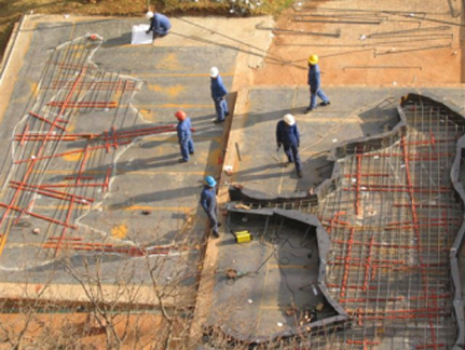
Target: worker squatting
point(287, 132)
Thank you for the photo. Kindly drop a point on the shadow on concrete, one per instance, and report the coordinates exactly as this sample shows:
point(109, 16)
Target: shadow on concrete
point(124, 39)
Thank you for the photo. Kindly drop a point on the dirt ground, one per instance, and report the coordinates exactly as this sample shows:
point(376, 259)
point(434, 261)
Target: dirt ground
point(367, 43)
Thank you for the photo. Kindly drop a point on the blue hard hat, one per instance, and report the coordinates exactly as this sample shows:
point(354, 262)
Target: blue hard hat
point(210, 181)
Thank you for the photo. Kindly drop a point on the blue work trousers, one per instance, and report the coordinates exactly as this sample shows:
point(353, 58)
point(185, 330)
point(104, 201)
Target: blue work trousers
point(213, 220)
point(160, 33)
point(293, 156)
point(318, 93)
point(187, 147)
point(221, 107)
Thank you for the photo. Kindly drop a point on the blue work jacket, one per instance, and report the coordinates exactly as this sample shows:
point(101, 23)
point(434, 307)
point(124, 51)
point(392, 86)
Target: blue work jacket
point(217, 87)
point(208, 200)
point(286, 134)
point(314, 79)
point(159, 21)
point(184, 130)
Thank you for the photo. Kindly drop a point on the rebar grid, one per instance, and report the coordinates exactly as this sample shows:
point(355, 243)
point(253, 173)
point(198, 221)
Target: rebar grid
point(70, 86)
point(392, 222)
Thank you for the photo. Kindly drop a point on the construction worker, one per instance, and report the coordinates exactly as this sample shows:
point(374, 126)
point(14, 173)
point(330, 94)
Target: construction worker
point(159, 24)
point(219, 93)
point(314, 80)
point(287, 135)
point(208, 202)
point(184, 129)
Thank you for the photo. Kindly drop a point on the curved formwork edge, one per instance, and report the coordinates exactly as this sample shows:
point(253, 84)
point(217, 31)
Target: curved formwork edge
point(323, 240)
point(458, 244)
point(328, 186)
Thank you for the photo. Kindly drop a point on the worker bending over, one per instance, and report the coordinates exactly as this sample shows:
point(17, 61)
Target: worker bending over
point(219, 93)
point(159, 24)
point(287, 135)
point(184, 129)
point(314, 80)
point(208, 202)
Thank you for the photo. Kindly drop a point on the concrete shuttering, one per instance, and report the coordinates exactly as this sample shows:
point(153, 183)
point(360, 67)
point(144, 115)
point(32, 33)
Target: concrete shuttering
point(392, 214)
point(363, 252)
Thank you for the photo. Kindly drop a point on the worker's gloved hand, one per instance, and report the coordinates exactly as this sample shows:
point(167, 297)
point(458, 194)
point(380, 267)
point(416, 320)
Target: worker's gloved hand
point(147, 32)
point(193, 129)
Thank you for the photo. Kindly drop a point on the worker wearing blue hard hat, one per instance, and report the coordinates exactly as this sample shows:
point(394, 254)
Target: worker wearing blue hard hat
point(314, 80)
point(159, 24)
point(218, 92)
point(209, 204)
point(184, 130)
point(287, 135)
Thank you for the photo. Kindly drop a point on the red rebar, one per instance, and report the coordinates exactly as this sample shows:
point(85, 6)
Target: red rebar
point(368, 264)
point(106, 185)
point(374, 188)
point(347, 262)
point(365, 343)
point(357, 194)
point(25, 131)
point(416, 230)
point(392, 299)
point(52, 191)
point(391, 246)
point(46, 121)
point(12, 207)
point(83, 104)
point(22, 211)
point(51, 195)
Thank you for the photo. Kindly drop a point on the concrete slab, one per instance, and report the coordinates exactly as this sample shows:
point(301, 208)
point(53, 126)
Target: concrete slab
point(354, 112)
point(144, 221)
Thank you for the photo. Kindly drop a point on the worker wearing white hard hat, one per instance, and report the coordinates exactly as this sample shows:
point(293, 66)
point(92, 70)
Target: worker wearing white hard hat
point(287, 135)
point(314, 80)
point(160, 25)
point(218, 92)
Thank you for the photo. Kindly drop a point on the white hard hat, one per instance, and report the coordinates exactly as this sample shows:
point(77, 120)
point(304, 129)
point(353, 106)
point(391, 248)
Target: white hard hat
point(214, 72)
point(289, 119)
point(149, 14)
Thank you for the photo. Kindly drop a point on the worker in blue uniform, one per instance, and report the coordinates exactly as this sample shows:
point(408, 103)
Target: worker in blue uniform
point(219, 92)
point(314, 80)
point(287, 135)
point(209, 204)
point(159, 24)
point(184, 129)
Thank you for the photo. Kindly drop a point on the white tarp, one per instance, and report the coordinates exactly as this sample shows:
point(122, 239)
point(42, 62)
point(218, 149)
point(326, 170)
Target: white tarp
point(139, 35)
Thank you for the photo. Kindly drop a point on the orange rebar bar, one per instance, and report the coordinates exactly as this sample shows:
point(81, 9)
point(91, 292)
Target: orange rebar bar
point(25, 131)
point(347, 263)
point(12, 207)
point(416, 230)
point(357, 194)
point(83, 104)
point(53, 191)
point(46, 121)
point(391, 299)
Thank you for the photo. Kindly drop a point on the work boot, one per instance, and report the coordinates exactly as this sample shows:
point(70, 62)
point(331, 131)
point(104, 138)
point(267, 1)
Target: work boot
point(308, 109)
point(182, 160)
point(217, 121)
point(324, 104)
point(300, 174)
point(289, 162)
point(215, 234)
point(191, 153)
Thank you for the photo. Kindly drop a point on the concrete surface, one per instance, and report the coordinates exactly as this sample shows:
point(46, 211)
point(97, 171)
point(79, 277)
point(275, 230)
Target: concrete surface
point(152, 201)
